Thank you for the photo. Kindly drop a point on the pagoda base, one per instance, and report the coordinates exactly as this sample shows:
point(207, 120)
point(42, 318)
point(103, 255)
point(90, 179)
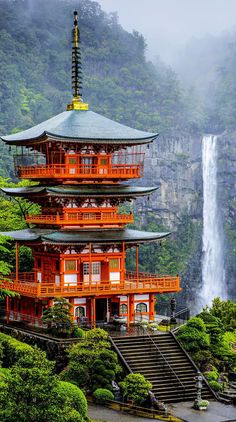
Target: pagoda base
point(86, 311)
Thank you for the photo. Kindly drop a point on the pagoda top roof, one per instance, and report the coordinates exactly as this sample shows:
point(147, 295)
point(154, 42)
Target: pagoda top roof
point(92, 190)
point(82, 126)
point(72, 237)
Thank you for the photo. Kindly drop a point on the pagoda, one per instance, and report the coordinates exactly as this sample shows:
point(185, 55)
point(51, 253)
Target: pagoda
point(83, 163)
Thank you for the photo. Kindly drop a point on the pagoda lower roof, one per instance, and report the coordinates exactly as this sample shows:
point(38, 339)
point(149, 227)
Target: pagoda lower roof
point(81, 126)
point(92, 191)
point(71, 237)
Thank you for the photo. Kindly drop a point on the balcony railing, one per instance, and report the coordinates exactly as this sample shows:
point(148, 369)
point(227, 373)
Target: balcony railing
point(132, 284)
point(62, 171)
point(87, 218)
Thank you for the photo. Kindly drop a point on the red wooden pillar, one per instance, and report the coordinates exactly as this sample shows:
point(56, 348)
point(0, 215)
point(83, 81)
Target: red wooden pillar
point(151, 307)
point(7, 309)
point(128, 312)
point(71, 300)
point(93, 312)
point(130, 304)
point(137, 258)
point(17, 262)
point(123, 264)
point(90, 264)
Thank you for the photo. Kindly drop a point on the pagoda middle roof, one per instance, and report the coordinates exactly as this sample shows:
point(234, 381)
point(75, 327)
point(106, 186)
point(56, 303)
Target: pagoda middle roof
point(91, 190)
point(72, 237)
point(81, 126)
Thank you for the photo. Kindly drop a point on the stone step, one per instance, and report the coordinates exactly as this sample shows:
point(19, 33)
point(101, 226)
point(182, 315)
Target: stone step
point(172, 376)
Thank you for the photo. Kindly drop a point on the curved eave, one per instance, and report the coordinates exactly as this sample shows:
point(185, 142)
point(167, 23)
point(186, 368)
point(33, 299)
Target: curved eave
point(47, 136)
point(80, 127)
point(93, 192)
point(82, 237)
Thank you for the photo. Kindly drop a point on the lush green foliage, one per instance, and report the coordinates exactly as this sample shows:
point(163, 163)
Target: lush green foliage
point(101, 395)
point(58, 318)
point(212, 375)
point(92, 363)
point(193, 335)
point(135, 387)
point(225, 310)
point(13, 350)
point(30, 390)
point(118, 81)
point(216, 386)
point(72, 396)
point(212, 348)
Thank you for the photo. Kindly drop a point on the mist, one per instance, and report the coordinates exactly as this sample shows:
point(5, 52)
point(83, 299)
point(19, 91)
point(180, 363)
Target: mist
point(168, 25)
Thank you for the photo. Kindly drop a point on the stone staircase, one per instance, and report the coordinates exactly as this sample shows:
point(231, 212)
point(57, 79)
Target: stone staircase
point(162, 360)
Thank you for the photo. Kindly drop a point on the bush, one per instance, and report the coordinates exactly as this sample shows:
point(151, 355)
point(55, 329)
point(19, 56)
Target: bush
point(193, 335)
point(13, 350)
point(135, 387)
point(203, 358)
point(101, 395)
point(212, 375)
point(74, 397)
point(216, 386)
point(78, 332)
point(197, 323)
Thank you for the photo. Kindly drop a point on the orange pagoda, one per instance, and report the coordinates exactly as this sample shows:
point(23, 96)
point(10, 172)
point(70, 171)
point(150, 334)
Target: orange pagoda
point(81, 160)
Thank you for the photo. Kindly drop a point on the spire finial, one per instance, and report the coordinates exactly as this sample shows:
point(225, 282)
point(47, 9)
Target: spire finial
point(77, 102)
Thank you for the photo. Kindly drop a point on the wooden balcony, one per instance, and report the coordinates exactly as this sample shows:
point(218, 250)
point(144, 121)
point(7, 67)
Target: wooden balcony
point(84, 217)
point(81, 172)
point(143, 283)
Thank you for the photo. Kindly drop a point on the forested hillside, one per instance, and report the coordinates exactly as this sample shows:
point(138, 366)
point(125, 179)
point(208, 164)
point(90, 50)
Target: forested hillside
point(35, 43)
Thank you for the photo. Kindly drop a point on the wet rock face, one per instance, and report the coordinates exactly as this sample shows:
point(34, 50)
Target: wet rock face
point(174, 164)
point(227, 203)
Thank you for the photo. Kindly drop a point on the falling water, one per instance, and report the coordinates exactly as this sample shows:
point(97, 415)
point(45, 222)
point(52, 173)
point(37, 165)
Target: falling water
point(212, 240)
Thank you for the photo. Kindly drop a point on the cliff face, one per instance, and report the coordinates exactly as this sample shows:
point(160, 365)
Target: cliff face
point(227, 204)
point(174, 164)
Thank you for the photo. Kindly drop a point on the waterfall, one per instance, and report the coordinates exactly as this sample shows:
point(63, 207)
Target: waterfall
point(213, 277)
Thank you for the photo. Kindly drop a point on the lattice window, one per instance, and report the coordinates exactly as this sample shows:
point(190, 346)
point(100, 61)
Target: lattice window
point(114, 263)
point(80, 311)
point(141, 307)
point(70, 265)
point(123, 308)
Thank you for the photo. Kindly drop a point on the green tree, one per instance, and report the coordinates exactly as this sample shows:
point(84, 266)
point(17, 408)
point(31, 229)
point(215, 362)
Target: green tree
point(92, 363)
point(30, 391)
point(58, 317)
point(135, 387)
point(193, 335)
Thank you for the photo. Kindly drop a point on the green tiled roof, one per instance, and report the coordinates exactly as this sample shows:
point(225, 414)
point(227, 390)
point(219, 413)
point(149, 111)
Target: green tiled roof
point(81, 126)
point(95, 190)
point(100, 236)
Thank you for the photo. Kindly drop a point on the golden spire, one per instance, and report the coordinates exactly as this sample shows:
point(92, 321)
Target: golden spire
point(77, 102)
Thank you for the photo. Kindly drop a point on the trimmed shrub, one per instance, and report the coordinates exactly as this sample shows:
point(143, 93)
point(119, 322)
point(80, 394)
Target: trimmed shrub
point(216, 386)
point(193, 335)
point(101, 395)
point(197, 323)
point(13, 350)
point(74, 397)
point(135, 387)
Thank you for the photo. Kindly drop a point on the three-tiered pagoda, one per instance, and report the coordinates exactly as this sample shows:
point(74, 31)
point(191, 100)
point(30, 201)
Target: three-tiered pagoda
point(81, 160)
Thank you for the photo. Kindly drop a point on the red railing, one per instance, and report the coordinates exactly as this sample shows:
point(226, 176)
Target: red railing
point(114, 171)
point(95, 218)
point(19, 316)
point(131, 284)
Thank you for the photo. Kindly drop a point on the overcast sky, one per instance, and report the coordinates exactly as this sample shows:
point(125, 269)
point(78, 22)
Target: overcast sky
point(169, 24)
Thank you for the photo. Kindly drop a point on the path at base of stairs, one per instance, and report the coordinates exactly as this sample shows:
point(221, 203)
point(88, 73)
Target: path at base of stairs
point(216, 412)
